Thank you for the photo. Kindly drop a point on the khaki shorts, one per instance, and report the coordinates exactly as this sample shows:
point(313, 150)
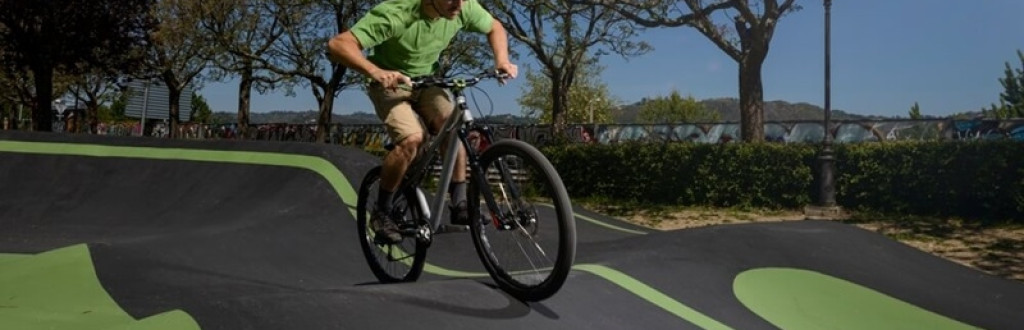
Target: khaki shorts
point(398, 108)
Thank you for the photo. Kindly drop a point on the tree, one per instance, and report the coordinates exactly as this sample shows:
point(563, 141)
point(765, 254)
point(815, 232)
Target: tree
point(300, 52)
point(675, 109)
point(915, 112)
point(200, 110)
point(244, 31)
point(565, 35)
point(589, 98)
point(41, 38)
point(16, 88)
point(119, 105)
point(1011, 100)
point(745, 39)
point(94, 89)
point(178, 54)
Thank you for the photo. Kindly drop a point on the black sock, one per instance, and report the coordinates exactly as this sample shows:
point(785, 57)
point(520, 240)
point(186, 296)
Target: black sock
point(384, 200)
point(457, 192)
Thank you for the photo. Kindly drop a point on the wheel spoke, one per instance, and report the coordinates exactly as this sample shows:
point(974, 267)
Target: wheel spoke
point(526, 250)
point(402, 261)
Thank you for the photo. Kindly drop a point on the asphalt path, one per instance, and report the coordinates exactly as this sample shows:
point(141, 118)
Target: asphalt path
point(101, 232)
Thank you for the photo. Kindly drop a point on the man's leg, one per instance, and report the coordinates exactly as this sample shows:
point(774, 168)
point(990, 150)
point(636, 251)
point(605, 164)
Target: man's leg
point(403, 126)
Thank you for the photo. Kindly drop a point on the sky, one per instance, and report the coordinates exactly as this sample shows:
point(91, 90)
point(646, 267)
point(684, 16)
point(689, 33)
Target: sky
point(945, 55)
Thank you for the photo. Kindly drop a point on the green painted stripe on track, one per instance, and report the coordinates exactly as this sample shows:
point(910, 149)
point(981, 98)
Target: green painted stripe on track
point(316, 164)
point(12, 257)
point(653, 296)
point(58, 289)
point(802, 299)
point(601, 223)
point(608, 225)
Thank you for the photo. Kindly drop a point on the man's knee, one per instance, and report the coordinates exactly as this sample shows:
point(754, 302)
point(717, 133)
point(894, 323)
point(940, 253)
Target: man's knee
point(410, 144)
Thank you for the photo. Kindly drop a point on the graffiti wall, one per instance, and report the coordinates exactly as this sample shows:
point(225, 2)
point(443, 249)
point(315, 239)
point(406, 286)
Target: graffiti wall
point(796, 132)
point(786, 132)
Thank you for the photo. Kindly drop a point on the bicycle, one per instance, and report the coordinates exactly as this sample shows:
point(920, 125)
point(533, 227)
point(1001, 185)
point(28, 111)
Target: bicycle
point(522, 223)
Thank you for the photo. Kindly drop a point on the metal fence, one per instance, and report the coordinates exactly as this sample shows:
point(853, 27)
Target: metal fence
point(374, 136)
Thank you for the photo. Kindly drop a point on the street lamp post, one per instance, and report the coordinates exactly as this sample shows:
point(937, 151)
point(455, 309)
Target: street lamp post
point(826, 160)
point(825, 206)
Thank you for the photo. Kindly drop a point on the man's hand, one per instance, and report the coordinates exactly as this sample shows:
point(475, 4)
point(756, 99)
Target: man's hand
point(511, 69)
point(390, 79)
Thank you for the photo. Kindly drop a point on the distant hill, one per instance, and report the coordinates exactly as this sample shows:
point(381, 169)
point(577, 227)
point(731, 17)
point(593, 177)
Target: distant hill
point(728, 109)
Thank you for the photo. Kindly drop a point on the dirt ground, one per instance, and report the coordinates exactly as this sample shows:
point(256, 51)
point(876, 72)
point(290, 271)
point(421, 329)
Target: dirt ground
point(997, 250)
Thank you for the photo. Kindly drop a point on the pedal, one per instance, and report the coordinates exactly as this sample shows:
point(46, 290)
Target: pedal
point(449, 228)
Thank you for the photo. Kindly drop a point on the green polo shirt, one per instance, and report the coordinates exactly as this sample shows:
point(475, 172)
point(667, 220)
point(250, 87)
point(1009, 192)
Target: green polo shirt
point(403, 39)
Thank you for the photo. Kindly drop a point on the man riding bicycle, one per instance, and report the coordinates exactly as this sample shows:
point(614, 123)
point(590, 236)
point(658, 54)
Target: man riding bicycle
point(407, 38)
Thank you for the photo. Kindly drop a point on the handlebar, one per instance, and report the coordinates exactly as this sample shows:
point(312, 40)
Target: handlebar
point(457, 83)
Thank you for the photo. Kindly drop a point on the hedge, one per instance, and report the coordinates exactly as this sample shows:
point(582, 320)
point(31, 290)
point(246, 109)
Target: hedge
point(982, 180)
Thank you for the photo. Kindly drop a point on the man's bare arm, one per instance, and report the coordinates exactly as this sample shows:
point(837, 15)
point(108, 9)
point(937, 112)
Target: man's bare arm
point(498, 38)
point(347, 50)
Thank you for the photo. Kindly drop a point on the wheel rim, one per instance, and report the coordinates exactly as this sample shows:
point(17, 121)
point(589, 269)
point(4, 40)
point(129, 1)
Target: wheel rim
point(522, 237)
point(390, 262)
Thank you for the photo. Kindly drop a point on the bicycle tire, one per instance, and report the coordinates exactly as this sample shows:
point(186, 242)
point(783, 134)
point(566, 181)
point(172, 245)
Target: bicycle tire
point(389, 262)
point(531, 275)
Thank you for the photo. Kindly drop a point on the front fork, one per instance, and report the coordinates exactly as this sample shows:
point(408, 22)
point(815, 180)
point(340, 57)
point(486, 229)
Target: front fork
point(509, 191)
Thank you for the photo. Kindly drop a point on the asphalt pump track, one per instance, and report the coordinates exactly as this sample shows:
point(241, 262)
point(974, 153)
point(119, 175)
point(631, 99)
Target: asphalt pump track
point(130, 233)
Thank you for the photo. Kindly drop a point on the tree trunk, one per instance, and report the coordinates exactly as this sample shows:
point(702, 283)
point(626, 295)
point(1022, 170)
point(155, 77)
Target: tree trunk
point(174, 93)
point(559, 102)
point(326, 108)
point(42, 113)
point(244, 97)
point(92, 114)
point(751, 99)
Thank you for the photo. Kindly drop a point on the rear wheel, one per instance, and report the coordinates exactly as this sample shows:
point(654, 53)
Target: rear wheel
point(399, 262)
point(526, 237)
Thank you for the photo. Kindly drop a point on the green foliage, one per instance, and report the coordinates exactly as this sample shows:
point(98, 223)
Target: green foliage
point(73, 36)
point(978, 180)
point(675, 109)
point(726, 175)
point(104, 114)
point(566, 37)
point(116, 110)
point(587, 95)
point(46, 39)
point(201, 112)
point(915, 112)
point(1011, 100)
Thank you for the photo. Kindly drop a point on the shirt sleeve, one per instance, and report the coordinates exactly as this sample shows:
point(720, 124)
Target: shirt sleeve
point(375, 27)
point(476, 18)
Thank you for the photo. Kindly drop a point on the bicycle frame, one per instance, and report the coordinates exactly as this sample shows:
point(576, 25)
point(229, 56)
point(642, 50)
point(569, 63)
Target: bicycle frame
point(529, 267)
point(454, 131)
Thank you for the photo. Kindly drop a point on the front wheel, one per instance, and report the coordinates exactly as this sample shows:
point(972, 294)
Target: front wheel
point(525, 233)
point(400, 262)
